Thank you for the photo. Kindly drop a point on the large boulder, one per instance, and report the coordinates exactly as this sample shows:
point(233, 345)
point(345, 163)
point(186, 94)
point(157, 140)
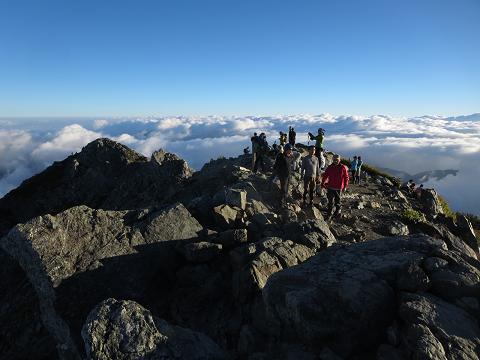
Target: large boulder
point(82, 255)
point(344, 298)
point(431, 202)
point(125, 330)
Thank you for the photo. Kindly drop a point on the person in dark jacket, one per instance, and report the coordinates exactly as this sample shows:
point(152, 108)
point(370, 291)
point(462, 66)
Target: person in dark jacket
point(254, 140)
point(283, 168)
point(292, 135)
point(335, 179)
point(262, 150)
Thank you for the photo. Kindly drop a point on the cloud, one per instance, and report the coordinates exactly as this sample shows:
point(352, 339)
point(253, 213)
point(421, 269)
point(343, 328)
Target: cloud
point(409, 144)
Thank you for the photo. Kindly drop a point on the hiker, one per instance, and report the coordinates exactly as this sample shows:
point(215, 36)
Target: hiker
point(318, 140)
point(407, 185)
point(411, 189)
point(255, 141)
point(283, 138)
point(291, 136)
point(282, 169)
point(353, 168)
point(419, 191)
point(358, 171)
point(262, 150)
point(310, 174)
point(335, 180)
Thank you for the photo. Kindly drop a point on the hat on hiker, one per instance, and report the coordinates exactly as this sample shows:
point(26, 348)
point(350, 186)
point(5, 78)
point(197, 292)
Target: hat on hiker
point(287, 147)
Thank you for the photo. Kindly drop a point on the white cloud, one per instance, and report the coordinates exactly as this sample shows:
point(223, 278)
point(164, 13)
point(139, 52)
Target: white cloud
point(409, 144)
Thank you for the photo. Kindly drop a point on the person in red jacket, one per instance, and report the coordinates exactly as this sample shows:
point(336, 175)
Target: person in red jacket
point(335, 179)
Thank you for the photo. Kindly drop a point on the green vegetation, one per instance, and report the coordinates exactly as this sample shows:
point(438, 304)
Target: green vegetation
point(446, 208)
point(413, 215)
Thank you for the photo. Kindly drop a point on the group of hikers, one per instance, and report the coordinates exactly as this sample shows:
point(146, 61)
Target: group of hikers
point(334, 178)
point(412, 189)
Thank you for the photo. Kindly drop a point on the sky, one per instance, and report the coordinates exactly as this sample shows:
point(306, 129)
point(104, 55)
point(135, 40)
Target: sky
point(65, 58)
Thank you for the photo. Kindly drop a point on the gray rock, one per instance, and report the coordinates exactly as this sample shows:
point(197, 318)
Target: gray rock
point(343, 297)
point(467, 234)
point(232, 238)
point(236, 198)
point(125, 330)
point(398, 228)
point(70, 258)
point(431, 202)
point(225, 216)
point(437, 329)
point(201, 251)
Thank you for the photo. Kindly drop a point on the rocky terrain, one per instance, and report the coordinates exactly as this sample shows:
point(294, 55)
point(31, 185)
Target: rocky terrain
point(110, 255)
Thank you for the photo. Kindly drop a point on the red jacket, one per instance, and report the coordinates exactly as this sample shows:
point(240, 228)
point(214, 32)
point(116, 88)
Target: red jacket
point(335, 177)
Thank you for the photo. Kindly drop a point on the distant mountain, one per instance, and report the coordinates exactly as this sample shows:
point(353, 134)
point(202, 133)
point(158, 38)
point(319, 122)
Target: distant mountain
point(423, 176)
point(472, 117)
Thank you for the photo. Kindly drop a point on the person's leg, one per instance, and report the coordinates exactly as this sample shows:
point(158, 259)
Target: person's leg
point(317, 152)
point(330, 196)
point(282, 189)
point(254, 157)
point(305, 189)
point(337, 199)
point(255, 166)
point(312, 185)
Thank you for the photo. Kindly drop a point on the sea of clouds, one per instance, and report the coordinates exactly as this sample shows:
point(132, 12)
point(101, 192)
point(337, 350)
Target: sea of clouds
point(412, 145)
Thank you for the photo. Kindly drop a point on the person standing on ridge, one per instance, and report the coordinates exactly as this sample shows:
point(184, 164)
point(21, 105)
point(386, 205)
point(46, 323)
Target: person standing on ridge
point(310, 174)
point(318, 140)
point(262, 151)
point(358, 171)
point(282, 168)
point(353, 168)
point(291, 136)
point(282, 138)
point(254, 140)
point(335, 180)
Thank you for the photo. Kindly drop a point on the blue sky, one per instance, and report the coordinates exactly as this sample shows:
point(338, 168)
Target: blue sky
point(121, 58)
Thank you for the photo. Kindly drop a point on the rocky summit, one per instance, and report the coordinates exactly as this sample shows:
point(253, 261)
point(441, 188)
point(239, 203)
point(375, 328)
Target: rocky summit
point(111, 255)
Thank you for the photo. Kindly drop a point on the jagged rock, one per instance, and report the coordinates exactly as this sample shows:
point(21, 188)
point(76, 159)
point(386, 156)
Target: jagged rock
point(81, 255)
point(431, 202)
point(202, 251)
point(374, 205)
point(236, 198)
point(171, 165)
point(225, 216)
point(232, 238)
point(125, 330)
point(313, 233)
point(438, 330)
point(343, 298)
point(467, 234)
point(398, 228)
point(266, 257)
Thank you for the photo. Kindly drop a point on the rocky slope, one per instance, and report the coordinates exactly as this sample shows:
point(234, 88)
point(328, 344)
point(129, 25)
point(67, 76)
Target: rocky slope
point(108, 255)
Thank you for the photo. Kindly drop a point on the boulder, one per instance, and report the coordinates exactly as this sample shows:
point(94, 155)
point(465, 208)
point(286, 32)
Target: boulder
point(431, 202)
point(398, 228)
point(201, 251)
point(344, 297)
point(236, 198)
point(232, 238)
point(467, 234)
point(225, 216)
point(125, 330)
point(82, 255)
point(436, 329)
